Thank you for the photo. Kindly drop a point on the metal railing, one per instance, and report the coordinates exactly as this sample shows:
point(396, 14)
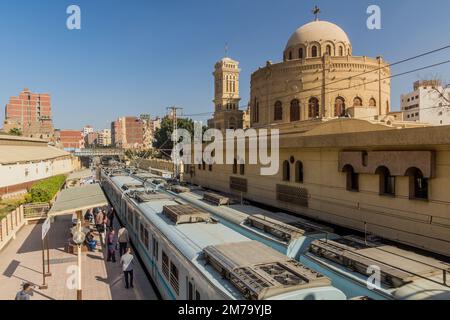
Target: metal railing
point(36, 211)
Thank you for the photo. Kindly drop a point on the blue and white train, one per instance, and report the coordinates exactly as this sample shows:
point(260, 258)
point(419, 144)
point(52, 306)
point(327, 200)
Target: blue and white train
point(348, 261)
point(192, 256)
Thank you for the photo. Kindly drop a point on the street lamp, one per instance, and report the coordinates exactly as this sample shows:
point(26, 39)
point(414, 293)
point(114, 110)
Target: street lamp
point(78, 238)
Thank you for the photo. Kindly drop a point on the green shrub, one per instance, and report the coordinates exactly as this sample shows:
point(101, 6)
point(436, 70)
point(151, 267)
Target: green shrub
point(45, 190)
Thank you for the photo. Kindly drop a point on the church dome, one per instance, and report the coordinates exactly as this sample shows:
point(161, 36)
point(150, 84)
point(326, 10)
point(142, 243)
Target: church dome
point(317, 38)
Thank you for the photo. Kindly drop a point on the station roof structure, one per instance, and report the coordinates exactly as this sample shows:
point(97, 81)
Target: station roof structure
point(78, 199)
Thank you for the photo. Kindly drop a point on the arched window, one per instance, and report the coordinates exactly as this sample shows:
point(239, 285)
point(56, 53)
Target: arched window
point(299, 172)
point(313, 108)
point(328, 50)
point(357, 102)
point(352, 178)
point(387, 181)
point(314, 52)
point(339, 107)
point(286, 171)
point(232, 123)
point(418, 184)
point(295, 110)
point(203, 165)
point(235, 166)
point(372, 102)
point(341, 51)
point(300, 53)
point(290, 55)
point(278, 111)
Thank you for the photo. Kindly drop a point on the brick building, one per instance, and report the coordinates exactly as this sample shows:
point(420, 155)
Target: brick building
point(128, 132)
point(31, 113)
point(69, 140)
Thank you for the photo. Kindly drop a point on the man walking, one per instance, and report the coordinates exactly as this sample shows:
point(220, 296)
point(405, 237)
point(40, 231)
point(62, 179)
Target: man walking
point(123, 240)
point(112, 246)
point(127, 267)
point(25, 293)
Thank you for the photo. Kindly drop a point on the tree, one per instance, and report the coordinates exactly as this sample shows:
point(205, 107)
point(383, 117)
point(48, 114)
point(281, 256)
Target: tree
point(163, 136)
point(15, 132)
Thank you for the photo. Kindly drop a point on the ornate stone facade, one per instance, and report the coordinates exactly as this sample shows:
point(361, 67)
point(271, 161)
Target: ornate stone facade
point(319, 79)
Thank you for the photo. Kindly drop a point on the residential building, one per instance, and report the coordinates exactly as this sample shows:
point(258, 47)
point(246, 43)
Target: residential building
point(428, 103)
point(87, 129)
point(31, 113)
point(128, 133)
point(104, 138)
point(69, 140)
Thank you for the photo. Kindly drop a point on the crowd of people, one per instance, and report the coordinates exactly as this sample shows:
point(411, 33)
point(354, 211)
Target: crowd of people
point(104, 223)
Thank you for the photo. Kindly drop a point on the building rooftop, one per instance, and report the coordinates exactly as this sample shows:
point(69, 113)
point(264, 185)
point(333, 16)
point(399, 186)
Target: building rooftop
point(11, 154)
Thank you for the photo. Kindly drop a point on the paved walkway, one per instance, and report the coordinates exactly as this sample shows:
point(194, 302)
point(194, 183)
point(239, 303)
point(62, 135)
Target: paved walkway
point(21, 261)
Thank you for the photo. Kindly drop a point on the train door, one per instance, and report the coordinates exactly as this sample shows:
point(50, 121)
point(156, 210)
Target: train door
point(191, 290)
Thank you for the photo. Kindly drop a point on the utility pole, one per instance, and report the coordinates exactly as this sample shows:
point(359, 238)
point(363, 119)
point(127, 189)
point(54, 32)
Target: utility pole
point(173, 113)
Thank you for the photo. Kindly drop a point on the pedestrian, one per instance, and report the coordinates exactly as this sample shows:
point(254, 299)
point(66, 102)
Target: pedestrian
point(112, 244)
point(91, 242)
point(127, 267)
point(25, 293)
point(89, 216)
point(99, 221)
point(111, 215)
point(123, 240)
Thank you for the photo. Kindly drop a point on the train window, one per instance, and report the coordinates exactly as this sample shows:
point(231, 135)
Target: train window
point(190, 295)
point(136, 221)
point(141, 232)
point(165, 265)
point(155, 248)
point(174, 278)
point(146, 238)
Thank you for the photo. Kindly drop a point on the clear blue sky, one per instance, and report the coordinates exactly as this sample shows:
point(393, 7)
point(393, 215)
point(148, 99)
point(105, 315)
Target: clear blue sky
point(141, 56)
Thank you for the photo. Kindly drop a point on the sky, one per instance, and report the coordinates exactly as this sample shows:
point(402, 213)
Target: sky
point(142, 56)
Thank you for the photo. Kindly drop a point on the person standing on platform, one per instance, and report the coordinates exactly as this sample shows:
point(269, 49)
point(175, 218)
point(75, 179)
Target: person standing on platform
point(99, 221)
point(123, 240)
point(112, 244)
point(111, 215)
point(127, 267)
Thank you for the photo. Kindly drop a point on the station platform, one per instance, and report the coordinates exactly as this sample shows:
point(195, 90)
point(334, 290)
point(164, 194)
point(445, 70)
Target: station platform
point(21, 261)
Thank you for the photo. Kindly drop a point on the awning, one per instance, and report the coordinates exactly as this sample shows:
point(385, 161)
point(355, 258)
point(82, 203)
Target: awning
point(78, 199)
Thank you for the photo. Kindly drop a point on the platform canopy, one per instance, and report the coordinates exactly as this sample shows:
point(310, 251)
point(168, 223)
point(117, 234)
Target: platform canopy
point(78, 199)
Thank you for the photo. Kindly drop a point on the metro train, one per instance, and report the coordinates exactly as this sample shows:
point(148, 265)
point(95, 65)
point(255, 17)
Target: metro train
point(190, 255)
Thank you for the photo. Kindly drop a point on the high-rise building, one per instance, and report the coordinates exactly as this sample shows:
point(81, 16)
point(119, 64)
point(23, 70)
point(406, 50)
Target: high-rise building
point(87, 129)
point(226, 96)
point(91, 139)
point(428, 103)
point(104, 137)
point(31, 113)
point(128, 133)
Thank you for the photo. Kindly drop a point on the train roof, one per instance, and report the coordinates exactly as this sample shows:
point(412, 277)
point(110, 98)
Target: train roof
point(198, 241)
point(406, 274)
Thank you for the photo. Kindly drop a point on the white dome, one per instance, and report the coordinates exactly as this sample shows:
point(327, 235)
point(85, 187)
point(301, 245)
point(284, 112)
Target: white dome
point(318, 31)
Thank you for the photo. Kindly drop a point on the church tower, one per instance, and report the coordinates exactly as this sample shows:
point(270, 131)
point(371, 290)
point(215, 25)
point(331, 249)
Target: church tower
point(226, 96)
